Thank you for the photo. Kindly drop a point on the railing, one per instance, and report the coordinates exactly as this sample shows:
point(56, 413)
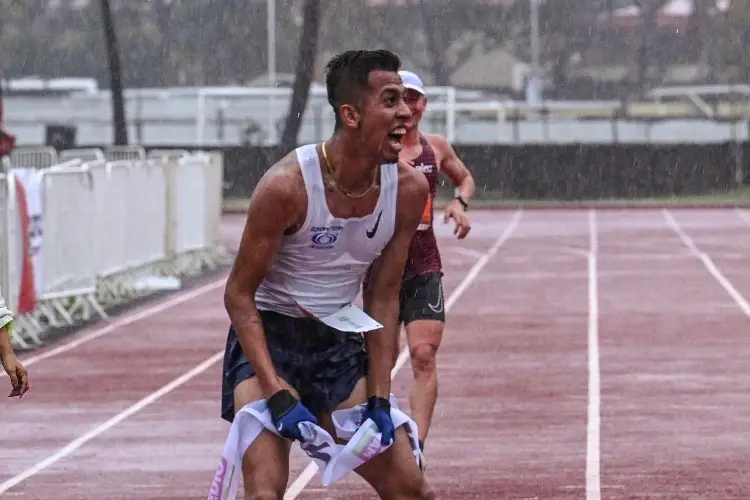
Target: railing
point(233, 115)
point(98, 230)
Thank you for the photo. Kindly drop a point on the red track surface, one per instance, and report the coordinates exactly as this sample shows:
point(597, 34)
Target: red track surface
point(517, 364)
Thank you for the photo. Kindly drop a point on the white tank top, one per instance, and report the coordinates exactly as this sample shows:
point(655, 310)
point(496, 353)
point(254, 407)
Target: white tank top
point(5, 314)
point(319, 269)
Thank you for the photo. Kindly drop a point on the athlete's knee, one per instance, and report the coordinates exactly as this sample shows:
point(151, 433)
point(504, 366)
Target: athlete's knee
point(264, 482)
point(264, 495)
point(267, 487)
point(419, 490)
point(424, 359)
point(265, 467)
point(425, 492)
point(414, 489)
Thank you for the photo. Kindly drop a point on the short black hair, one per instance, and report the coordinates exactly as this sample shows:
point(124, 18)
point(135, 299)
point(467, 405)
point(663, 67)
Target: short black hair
point(347, 75)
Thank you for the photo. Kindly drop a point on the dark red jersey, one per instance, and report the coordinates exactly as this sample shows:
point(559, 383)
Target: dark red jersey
point(424, 256)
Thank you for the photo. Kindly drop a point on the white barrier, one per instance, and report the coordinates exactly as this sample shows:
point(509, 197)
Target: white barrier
point(32, 156)
point(11, 262)
point(7, 251)
point(84, 154)
point(168, 153)
point(69, 245)
point(107, 229)
point(214, 192)
point(135, 153)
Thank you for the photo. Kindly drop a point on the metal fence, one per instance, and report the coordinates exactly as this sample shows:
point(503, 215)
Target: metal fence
point(98, 228)
point(217, 116)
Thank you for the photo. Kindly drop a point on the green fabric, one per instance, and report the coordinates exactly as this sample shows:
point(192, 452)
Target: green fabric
point(7, 321)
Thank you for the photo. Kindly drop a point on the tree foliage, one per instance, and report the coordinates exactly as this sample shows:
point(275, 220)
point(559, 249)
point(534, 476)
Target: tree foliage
point(223, 42)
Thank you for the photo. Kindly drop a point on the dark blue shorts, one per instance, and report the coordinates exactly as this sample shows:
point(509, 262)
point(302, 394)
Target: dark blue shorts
point(321, 363)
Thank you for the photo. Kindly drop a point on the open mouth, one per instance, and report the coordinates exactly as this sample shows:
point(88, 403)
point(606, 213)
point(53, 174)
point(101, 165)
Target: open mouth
point(395, 137)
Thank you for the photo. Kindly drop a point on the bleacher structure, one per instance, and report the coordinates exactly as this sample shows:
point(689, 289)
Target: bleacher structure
point(116, 224)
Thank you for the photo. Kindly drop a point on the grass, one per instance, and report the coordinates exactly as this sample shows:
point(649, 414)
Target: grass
point(493, 200)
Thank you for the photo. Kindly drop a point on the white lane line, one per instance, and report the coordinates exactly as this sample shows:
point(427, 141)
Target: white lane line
point(96, 431)
point(127, 320)
point(308, 473)
point(744, 215)
point(707, 262)
point(593, 433)
point(466, 252)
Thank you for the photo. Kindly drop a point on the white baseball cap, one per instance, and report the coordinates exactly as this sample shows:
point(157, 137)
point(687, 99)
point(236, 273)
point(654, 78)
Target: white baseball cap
point(412, 81)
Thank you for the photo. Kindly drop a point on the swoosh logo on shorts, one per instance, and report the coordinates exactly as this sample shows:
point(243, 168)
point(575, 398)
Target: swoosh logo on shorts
point(438, 308)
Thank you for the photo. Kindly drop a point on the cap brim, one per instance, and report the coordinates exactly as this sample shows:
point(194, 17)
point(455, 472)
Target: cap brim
point(415, 87)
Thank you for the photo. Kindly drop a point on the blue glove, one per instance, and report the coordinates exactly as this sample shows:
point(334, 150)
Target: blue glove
point(287, 412)
point(379, 411)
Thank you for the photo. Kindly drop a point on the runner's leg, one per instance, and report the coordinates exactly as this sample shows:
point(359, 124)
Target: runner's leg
point(424, 320)
point(394, 474)
point(424, 338)
point(265, 464)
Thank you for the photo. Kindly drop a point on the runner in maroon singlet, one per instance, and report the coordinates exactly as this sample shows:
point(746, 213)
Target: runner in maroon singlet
point(424, 256)
point(422, 302)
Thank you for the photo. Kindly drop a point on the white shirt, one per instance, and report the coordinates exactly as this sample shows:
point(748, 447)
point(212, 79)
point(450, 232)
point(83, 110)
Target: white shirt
point(320, 267)
point(5, 314)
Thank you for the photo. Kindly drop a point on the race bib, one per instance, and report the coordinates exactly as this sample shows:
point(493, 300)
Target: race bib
point(351, 319)
point(426, 221)
point(347, 319)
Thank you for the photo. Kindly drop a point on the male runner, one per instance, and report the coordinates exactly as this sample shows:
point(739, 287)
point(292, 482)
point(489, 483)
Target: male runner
point(317, 220)
point(19, 379)
point(422, 302)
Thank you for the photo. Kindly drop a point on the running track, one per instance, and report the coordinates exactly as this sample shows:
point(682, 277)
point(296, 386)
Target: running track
point(589, 355)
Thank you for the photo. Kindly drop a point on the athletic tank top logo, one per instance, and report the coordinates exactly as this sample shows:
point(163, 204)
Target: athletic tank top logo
point(425, 169)
point(323, 237)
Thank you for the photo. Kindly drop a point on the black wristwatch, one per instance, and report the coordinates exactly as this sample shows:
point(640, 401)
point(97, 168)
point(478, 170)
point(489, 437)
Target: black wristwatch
point(463, 202)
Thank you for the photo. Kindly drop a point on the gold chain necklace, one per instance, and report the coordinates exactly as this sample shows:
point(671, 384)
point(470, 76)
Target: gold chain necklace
point(334, 184)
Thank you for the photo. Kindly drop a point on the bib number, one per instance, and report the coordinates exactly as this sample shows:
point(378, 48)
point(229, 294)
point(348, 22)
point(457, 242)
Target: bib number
point(351, 319)
point(426, 221)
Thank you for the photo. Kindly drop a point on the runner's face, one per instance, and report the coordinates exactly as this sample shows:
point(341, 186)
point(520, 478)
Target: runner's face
point(384, 115)
point(417, 104)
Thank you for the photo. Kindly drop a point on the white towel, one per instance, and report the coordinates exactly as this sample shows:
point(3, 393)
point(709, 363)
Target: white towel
point(334, 460)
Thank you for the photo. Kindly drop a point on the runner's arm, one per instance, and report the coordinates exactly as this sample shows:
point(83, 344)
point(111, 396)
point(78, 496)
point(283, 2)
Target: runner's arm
point(6, 320)
point(274, 208)
point(381, 297)
point(453, 167)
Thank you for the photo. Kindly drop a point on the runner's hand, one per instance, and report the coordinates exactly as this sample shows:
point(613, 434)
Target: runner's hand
point(19, 378)
point(379, 411)
point(456, 212)
point(287, 413)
